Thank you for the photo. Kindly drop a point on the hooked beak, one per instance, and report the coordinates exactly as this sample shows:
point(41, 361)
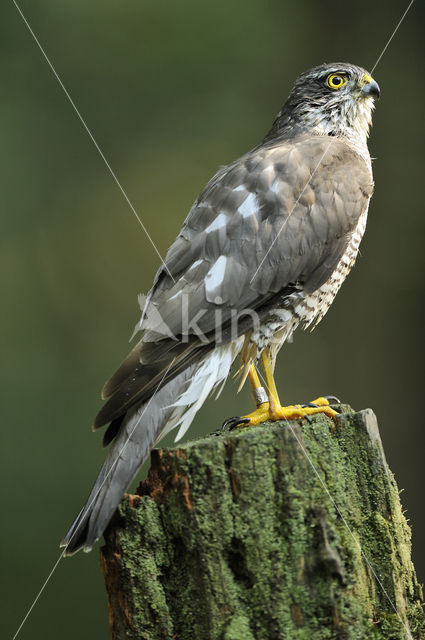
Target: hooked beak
point(371, 88)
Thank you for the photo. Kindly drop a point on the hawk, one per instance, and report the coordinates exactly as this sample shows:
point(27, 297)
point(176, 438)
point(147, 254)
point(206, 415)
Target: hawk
point(264, 249)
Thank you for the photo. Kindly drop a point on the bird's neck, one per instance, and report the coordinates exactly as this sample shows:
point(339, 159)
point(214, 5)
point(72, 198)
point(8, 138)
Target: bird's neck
point(349, 121)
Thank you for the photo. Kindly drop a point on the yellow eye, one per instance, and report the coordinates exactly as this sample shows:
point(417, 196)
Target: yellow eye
point(336, 81)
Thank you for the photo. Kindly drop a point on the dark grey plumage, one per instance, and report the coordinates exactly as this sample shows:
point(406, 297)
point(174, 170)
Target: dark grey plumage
point(275, 232)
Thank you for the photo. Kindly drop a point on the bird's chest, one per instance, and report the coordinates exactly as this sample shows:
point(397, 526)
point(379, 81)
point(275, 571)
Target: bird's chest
point(307, 309)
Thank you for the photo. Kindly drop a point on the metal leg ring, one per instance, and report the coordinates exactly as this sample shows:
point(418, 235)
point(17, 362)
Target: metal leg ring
point(260, 396)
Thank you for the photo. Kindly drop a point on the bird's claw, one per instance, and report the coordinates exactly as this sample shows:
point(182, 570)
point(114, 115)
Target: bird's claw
point(332, 399)
point(293, 412)
point(232, 423)
point(309, 404)
point(323, 401)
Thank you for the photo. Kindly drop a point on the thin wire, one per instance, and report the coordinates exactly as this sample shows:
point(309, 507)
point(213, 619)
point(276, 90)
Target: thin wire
point(165, 266)
point(94, 498)
point(326, 150)
point(39, 594)
point(130, 204)
point(392, 36)
point(409, 635)
point(290, 213)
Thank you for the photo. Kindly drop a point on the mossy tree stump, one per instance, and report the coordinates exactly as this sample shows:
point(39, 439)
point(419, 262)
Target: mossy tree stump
point(282, 531)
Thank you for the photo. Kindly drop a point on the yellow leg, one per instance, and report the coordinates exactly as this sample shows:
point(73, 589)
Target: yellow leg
point(253, 378)
point(262, 411)
point(274, 402)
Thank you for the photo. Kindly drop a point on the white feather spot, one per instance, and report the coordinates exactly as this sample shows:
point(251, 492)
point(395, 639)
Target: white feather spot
point(284, 314)
point(217, 223)
point(240, 188)
point(248, 206)
point(215, 275)
point(195, 264)
point(275, 187)
point(268, 174)
point(176, 295)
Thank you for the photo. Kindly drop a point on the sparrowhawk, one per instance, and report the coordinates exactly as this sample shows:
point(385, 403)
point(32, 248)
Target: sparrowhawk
point(264, 248)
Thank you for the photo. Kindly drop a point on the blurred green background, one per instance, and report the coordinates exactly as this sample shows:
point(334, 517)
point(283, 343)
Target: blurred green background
point(171, 90)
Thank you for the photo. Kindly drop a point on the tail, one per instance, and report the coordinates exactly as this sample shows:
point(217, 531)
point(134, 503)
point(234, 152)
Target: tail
point(174, 404)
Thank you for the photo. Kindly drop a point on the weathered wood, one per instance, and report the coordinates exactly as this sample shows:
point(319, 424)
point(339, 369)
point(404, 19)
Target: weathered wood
point(282, 531)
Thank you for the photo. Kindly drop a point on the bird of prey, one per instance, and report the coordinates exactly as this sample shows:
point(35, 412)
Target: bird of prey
point(264, 248)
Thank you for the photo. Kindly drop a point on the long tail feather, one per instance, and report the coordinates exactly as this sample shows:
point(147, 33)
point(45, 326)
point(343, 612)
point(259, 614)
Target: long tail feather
point(175, 404)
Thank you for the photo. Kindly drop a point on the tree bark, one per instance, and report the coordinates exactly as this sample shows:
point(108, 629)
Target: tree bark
point(283, 531)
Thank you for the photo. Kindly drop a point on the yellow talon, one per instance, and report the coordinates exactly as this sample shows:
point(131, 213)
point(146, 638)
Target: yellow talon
point(261, 414)
point(321, 402)
point(293, 412)
point(296, 411)
point(273, 410)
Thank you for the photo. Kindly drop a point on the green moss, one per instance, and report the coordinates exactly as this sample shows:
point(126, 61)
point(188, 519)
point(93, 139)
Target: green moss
point(270, 532)
point(238, 629)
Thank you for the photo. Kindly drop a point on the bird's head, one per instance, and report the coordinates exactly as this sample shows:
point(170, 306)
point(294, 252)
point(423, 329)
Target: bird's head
point(332, 99)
